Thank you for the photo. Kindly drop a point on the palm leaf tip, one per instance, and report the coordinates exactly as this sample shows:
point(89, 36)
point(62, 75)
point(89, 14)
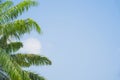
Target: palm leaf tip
point(34, 76)
point(34, 24)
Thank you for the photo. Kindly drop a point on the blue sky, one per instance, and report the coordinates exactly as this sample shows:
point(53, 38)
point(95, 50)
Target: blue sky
point(81, 37)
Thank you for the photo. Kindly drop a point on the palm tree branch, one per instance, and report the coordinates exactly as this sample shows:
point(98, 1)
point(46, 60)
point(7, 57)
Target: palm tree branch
point(34, 76)
point(17, 10)
point(26, 60)
point(13, 46)
point(11, 68)
point(19, 27)
point(5, 6)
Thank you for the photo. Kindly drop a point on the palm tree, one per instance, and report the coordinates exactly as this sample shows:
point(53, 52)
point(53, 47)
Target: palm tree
point(11, 64)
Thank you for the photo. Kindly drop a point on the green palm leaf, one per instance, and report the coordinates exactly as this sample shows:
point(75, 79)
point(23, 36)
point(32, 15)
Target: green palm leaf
point(13, 70)
point(13, 47)
point(19, 27)
point(26, 60)
point(35, 76)
point(17, 10)
point(5, 6)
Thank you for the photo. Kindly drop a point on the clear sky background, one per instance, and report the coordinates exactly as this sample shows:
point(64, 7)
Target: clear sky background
point(81, 37)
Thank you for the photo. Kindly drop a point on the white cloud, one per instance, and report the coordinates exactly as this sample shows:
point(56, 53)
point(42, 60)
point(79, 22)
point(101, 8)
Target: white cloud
point(31, 45)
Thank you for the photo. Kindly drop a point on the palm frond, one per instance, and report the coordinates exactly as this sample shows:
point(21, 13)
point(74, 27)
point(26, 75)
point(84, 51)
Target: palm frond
point(9, 67)
point(34, 76)
point(12, 68)
point(17, 10)
point(19, 27)
point(26, 60)
point(5, 6)
point(13, 47)
point(9, 47)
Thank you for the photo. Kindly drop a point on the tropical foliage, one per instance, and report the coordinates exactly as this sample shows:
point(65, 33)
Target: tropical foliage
point(11, 64)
